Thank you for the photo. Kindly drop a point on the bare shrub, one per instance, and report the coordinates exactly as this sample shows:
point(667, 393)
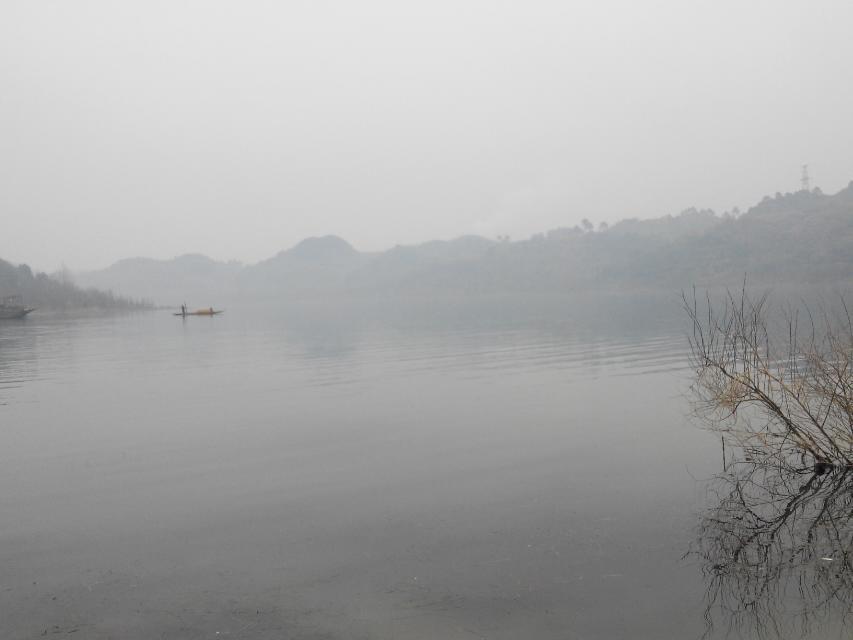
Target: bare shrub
point(780, 391)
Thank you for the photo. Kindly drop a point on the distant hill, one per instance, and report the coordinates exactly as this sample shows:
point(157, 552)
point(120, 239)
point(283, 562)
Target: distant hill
point(313, 265)
point(327, 249)
point(56, 292)
point(691, 222)
point(801, 238)
point(172, 282)
point(401, 268)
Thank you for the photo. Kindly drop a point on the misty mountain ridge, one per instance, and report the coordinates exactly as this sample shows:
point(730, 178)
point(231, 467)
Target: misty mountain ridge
point(795, 238)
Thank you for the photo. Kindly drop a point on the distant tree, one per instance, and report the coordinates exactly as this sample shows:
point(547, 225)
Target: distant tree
point(587, 225)
point(603, 226)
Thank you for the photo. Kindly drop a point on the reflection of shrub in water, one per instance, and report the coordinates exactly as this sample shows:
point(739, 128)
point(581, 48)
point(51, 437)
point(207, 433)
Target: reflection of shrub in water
point(777, 551)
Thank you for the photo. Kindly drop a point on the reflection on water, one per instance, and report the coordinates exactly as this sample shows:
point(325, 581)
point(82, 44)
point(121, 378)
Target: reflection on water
point(337, 346)
point(17, 357)
point(776, 548)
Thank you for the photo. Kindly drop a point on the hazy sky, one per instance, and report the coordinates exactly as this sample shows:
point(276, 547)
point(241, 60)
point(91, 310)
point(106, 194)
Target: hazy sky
point(236, 129)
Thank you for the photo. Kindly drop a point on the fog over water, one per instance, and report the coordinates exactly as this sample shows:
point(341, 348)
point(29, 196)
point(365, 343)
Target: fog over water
point(264, 475)
point(319, 473)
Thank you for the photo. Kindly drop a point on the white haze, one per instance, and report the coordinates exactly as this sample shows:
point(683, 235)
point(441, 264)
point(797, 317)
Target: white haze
point(238, 128)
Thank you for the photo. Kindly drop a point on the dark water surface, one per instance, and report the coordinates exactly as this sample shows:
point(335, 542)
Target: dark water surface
point(306, 475)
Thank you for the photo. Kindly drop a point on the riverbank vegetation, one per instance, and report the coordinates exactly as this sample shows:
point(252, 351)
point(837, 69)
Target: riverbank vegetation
point(44, 291)
point(777, 388)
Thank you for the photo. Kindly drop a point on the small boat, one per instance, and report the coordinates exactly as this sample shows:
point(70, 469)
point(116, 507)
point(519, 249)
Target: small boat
point(210, 311)
point(11, 307)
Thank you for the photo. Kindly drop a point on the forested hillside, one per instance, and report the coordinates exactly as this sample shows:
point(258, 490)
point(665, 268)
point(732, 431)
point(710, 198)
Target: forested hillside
point(801, 238)
point(53, 292)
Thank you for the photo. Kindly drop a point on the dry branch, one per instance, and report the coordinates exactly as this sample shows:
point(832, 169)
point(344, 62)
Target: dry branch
point(775, 392)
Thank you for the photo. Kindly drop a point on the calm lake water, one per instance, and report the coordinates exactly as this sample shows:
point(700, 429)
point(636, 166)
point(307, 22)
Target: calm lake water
point(323, 474)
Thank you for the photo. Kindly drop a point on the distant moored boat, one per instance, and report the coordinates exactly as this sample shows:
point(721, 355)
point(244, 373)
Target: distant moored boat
point(11, 307)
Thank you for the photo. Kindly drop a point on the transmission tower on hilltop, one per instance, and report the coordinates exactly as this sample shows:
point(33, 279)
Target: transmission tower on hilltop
point(804, 179)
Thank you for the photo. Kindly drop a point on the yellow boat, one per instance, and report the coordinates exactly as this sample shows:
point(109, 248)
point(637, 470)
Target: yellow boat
point(210, 311)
